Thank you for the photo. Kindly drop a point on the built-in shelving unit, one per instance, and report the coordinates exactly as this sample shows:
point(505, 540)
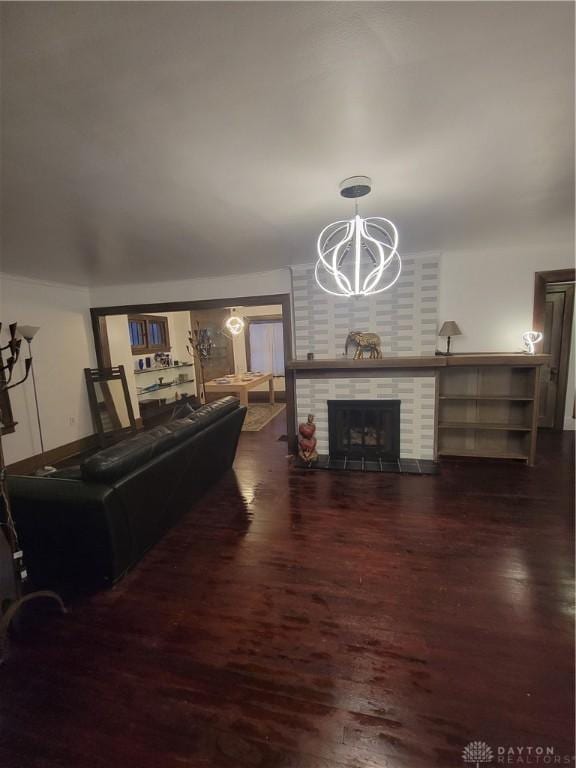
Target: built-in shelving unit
point(485, 425)
point(486, 403)
point(155, 390)
point(488, 411)
point(164, 368)
point(486, 397)
point(168, 385)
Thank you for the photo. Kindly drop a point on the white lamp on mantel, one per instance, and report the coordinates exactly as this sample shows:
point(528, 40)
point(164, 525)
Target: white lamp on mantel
point(530, 339)
point(449, 329)
point(28, 332)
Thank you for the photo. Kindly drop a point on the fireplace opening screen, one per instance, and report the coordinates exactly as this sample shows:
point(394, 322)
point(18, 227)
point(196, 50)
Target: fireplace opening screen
point(367, 429)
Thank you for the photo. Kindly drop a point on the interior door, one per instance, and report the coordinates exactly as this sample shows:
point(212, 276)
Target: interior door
point(556, 342)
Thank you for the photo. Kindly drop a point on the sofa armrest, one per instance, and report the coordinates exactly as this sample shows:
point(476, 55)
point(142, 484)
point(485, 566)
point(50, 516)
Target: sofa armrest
point(51, 489)
point(71, 532)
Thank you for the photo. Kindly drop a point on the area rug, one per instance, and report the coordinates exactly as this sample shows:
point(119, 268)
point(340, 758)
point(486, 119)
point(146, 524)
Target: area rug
point(259, 414)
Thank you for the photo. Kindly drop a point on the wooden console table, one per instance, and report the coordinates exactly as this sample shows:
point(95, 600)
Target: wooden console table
point(486, 404)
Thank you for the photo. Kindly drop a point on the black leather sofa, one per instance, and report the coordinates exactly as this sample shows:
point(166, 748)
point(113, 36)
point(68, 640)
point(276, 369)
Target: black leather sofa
point(85, 528)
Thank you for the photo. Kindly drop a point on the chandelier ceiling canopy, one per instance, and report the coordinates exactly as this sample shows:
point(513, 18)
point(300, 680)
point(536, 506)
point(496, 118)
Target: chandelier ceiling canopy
point(357, 256)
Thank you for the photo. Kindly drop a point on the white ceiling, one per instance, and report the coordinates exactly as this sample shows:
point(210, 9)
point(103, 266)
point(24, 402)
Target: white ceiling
point(149, 141)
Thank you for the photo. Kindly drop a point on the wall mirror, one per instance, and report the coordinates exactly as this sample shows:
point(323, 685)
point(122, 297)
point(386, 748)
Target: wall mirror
point(110, 403)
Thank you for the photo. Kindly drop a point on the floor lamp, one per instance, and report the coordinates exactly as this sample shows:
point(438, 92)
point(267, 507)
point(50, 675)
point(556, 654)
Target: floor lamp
point(12, 594)
point(28, 332)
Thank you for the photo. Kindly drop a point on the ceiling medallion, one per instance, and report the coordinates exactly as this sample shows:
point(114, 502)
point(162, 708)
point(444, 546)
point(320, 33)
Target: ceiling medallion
point(235, 325)
point(357, 257)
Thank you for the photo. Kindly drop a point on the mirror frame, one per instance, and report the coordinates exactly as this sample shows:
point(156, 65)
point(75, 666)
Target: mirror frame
point(98, 317)
point(103, 376)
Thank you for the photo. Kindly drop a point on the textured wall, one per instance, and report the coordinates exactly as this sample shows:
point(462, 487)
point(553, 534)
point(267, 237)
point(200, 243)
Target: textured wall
point(416, 407)
point(405, 317)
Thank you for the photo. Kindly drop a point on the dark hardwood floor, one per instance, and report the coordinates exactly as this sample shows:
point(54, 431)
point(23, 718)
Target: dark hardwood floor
point(315, 620)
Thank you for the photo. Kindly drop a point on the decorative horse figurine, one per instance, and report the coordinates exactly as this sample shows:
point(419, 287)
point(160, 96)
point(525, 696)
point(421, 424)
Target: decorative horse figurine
point(364, 342)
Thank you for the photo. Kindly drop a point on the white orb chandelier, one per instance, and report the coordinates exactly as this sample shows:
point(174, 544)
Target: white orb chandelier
point(357, 257)
point(235, 325)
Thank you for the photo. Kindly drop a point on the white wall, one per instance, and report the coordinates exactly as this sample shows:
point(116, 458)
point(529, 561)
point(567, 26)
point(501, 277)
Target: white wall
point(490, 292)
point(229, 286)
point(62, 348)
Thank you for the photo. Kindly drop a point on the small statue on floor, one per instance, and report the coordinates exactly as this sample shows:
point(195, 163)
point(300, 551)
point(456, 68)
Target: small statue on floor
point(307, 442)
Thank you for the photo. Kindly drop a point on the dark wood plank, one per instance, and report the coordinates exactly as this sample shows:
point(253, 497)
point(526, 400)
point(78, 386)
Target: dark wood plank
point(301, 619)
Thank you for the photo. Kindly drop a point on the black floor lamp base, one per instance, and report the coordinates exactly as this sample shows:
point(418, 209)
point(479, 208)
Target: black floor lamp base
point(12, 609)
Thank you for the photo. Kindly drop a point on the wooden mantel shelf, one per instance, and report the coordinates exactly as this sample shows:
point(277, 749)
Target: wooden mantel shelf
point(418, 362)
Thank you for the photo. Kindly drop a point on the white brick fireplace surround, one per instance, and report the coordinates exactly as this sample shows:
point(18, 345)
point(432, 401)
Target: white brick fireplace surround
point(405, 317)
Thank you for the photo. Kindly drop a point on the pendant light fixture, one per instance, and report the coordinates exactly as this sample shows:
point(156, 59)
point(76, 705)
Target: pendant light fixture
point(357, 256)
point(235, 324)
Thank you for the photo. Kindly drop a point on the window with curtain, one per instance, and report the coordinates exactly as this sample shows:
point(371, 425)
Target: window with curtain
point(266, 347)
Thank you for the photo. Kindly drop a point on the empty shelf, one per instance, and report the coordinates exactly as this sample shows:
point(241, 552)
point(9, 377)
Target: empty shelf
point(484, 425)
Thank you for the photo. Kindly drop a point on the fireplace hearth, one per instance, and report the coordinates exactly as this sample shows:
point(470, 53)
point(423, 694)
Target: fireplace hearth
point(364, 436)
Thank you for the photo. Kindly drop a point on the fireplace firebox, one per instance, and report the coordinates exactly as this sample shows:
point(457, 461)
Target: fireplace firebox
point(364, 429)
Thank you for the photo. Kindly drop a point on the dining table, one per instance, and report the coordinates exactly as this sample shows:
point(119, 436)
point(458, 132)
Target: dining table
point(240, 384)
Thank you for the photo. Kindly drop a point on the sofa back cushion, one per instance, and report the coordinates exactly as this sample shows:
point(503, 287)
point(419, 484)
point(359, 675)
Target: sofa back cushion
point(183, 411)
point(208, 414)
point(109, 464)
point(112, 463)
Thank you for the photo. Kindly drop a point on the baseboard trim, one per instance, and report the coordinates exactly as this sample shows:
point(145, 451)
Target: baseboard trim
point(53, 456)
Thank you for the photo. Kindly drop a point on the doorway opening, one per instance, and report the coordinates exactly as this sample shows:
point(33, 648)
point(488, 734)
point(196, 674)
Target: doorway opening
point(155, 339)
point(554, 318)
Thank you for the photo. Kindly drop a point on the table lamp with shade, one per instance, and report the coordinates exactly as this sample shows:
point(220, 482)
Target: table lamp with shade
point(449, 328)
point(27, 332)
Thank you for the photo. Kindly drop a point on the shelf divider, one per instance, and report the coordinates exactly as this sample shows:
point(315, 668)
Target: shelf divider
point(476, 425)
point(512, 398)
